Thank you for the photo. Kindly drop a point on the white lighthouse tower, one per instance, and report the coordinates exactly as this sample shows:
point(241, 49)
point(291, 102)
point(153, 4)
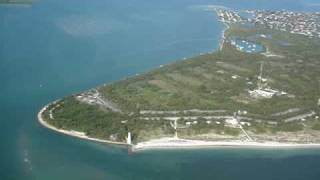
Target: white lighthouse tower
point(129, 138)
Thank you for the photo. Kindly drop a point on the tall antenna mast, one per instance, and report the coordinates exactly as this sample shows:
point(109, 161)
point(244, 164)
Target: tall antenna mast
point(260, 76)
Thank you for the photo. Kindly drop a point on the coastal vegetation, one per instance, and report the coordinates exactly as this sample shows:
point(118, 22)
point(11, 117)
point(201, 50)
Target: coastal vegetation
point(202, 92)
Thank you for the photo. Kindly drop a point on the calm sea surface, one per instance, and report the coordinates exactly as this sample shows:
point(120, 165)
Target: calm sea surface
point(54, 48)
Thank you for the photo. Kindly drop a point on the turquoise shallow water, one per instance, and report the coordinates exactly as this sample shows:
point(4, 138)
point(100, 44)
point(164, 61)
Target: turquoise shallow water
point(55, 48)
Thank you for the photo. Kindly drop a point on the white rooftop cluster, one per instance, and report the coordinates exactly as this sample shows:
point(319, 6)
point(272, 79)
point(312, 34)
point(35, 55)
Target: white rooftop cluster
point(307, 24)
point(228, 16)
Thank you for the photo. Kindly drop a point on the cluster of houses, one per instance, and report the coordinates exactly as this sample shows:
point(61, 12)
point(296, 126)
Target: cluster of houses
point(91, 98)
point(228, 16)
point(307, 24)
point(297, 23)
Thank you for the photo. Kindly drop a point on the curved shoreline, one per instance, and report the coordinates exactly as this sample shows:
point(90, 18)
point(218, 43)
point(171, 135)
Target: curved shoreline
point(72, 133)
point(223, 36)
point(176, 143)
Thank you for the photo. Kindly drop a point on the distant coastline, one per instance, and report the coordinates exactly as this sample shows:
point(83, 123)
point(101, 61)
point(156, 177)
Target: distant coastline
point(16, 2)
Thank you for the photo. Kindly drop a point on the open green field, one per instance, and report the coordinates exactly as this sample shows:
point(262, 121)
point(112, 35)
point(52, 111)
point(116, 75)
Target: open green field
point(217, 85)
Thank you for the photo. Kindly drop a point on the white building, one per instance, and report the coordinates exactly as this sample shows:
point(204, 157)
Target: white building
point(129, 138)
point(232, 122)
point(261, 93)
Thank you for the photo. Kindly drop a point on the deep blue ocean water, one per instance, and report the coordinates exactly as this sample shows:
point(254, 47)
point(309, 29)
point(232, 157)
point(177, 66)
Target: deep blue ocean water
point(54, 48)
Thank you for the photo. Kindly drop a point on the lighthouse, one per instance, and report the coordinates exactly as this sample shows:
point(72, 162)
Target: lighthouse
point(129, 138)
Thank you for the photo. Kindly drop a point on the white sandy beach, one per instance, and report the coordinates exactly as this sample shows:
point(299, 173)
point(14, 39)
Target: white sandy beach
point(223, 37)
point(71, 133)
point(184, 143)
point(170, 142)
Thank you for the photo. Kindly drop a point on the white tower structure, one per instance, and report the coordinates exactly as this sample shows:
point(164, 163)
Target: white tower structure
point(129, 138)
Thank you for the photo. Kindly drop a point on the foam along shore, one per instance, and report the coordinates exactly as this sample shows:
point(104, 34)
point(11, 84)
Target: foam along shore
point(167, 143)
point(73, 133)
